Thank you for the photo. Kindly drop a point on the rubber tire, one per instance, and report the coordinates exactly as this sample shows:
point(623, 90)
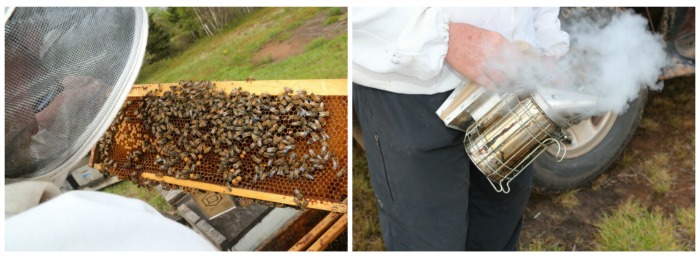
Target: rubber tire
point(551, 176)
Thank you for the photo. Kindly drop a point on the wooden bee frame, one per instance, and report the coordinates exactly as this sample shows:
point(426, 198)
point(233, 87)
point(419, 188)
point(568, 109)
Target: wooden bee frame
point(323, 87)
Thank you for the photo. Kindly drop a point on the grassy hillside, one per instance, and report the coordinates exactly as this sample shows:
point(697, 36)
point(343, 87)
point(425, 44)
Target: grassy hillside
point(229, 54)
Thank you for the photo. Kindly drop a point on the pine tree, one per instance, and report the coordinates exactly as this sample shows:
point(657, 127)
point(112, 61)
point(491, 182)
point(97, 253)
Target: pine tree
point(158, 45)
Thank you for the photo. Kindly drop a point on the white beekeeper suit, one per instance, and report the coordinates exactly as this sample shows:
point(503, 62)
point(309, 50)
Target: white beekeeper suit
point(89, 221)
point(403, 50)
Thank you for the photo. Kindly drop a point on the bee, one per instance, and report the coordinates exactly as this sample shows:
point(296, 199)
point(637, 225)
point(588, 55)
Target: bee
point(281, 152)
point(315, 160)
point(256, 159)
point(281, 128)
point(273, 128)
point(298, 202)
point(313, 126)
point(300, 134)
point(296, 123)
point(310, 141)
point(308, 176)
point(277, 139)
point(335, 163)
point(281, 170)
point(298, 194)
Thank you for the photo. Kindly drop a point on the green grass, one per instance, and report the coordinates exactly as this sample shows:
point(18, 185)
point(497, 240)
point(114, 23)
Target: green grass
point(629, 157)
point(567, 199)
point(685, 217)
point(327, 60)
point(335, 14)
point(366, 231)
point(657, 171)
point(331, 20)
point(317, 42)
point(632, 228)
point(129, 189)
point(542, 244)
point(335, 11)
point(651, 125)
point(228, 55)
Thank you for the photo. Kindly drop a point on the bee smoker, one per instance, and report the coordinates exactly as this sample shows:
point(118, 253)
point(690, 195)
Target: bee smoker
point(506, 132)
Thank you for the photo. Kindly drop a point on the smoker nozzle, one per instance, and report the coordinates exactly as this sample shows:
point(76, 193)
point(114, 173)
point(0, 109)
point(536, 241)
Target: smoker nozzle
point(570, 105)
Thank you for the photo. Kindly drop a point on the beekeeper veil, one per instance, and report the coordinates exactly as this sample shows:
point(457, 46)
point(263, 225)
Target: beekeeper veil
point(67, 73)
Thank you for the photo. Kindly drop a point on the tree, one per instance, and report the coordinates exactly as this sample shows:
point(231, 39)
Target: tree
point(185, 18)
point(158, 45)
point(204, 20)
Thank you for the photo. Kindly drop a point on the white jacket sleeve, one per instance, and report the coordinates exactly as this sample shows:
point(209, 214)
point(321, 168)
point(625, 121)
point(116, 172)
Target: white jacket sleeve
point(553, 41)
point(408, 41)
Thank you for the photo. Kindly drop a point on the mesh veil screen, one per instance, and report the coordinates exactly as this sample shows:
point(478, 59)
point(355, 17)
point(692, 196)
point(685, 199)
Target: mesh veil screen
point(62, 67)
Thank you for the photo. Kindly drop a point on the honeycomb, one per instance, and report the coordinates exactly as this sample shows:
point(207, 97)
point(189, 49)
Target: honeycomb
point(291, 143)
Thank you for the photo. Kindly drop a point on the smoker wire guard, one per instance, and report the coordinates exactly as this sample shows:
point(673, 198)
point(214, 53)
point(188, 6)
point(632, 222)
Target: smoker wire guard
point(473, 137)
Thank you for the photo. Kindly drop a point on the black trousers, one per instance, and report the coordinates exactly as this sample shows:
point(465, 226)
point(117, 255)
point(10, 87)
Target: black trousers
point(430, 196)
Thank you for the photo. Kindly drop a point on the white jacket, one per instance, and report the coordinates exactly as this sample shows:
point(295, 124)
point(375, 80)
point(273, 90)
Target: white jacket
point(403, 50)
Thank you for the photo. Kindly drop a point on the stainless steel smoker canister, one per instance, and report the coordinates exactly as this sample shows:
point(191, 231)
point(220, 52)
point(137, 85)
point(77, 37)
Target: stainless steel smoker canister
point(517, 130)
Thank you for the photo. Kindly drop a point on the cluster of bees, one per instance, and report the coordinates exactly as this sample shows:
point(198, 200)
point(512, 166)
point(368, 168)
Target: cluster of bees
point(253, 136)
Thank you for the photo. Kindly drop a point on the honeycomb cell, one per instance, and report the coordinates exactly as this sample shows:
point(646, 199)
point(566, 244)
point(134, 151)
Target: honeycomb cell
point(268, 143)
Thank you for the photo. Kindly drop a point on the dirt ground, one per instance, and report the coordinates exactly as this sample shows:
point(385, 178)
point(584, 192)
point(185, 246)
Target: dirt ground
point(667, 127)
point(303, 35)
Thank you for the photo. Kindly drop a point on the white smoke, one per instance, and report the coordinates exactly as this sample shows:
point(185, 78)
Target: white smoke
point(613, 62)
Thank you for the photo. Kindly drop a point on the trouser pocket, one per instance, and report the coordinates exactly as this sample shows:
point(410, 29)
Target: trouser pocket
point(377, 141)
point(364, 101)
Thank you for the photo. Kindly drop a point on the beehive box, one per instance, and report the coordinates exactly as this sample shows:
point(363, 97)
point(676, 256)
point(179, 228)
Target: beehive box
point(229, 137)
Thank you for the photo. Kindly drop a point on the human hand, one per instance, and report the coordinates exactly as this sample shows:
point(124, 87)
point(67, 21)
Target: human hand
point(482, 56)
point(79, 93)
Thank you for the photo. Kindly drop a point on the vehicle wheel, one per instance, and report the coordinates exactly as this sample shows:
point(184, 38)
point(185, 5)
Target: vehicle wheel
point(595, 145)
